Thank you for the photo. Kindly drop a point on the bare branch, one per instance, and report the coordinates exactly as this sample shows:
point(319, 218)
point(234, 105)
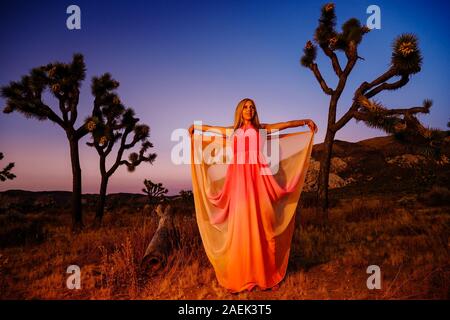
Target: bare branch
point(352, 56)
point(51, 115)
point(382, 78)
point(334, 59)
point(109, 148)
point(345, 118)
point(320, 79)
point(119, 160)
point(73, 107)
point(126, 162)
point(99, 148)
point(132, 143)
point(344, 76)
point(354, 107)
point(388, 86)
point(63, 109)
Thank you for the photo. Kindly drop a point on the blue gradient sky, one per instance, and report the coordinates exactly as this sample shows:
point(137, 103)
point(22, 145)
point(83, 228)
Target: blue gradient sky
point(180, 61)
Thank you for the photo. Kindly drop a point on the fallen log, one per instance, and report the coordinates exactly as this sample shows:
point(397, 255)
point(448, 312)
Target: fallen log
point(164, 241)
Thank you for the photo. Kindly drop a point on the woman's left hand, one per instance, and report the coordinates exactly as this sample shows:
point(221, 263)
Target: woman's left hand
point(311, 124)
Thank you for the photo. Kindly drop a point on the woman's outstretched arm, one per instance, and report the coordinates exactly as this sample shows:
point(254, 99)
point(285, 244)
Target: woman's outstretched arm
point(290, 124)
point(224, 131)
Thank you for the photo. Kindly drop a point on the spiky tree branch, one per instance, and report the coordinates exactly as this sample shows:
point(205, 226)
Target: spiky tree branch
point(6, 174)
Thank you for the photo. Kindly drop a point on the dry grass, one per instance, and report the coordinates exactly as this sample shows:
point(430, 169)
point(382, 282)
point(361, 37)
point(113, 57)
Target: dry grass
point(436, 196)
point(410, 244)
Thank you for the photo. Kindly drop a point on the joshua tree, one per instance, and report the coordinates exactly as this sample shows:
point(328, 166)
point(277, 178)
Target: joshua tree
point(406, 60)
point(6, 172)
point(64, 81)
point(155, 191)
point(109, 123)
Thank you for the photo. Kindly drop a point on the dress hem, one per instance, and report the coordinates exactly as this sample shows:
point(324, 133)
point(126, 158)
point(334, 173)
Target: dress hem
point(250, 285)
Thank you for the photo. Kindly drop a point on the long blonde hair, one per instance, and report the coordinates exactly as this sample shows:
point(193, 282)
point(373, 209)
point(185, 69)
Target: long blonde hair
point(238, 121)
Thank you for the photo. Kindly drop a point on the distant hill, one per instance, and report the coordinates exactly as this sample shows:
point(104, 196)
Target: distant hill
point(379, 165)
point(24, 201)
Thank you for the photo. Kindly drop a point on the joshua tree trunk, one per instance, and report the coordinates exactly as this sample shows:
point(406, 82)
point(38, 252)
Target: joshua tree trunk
point(324, 173)
point(77, 220)
point(101, 201)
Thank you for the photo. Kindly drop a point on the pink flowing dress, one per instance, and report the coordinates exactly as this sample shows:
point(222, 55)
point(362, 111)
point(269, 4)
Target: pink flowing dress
point(247, 219)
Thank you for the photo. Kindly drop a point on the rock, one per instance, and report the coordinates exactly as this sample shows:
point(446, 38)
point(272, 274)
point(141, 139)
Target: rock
point(443, 160)
point(406, 160)
point(311, 176)
point(335, 181)
point(338, 165)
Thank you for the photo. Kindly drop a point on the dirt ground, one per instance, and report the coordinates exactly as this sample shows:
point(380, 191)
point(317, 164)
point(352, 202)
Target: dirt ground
point(406, 239)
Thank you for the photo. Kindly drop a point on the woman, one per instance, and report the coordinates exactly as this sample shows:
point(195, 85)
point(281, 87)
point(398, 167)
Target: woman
point(245, 211)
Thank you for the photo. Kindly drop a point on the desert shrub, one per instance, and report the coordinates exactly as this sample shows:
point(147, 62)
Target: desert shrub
point(437, 196)
point(18, 230)
point(364, 210)
point(309, 200)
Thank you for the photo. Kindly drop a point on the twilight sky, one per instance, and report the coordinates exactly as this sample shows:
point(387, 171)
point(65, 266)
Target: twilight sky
point(180, 61)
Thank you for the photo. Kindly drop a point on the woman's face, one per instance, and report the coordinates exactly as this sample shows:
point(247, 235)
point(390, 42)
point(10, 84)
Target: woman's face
point(248, 111)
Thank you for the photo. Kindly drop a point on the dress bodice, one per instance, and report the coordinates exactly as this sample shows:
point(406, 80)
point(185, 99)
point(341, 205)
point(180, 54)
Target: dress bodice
point(248, 143)
point(245, 127)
